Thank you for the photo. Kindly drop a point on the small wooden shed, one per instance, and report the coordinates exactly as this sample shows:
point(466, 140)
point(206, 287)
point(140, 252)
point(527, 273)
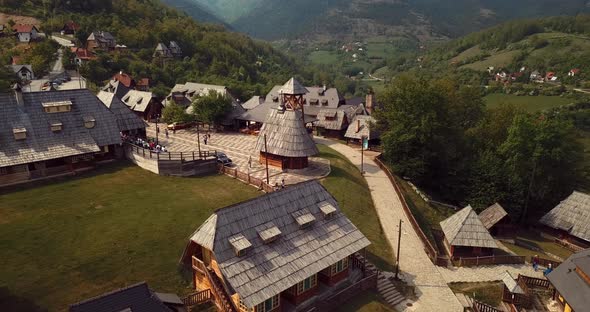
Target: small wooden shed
point(497, 221)
point(466, 236)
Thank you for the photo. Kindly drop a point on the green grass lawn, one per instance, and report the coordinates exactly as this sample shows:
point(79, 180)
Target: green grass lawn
point(66, 241)
point(324, 57)
point(534, 239)
point(366, 302)
point(528, 103)
point(498, 60)
point(352, 192)
point(488, 292)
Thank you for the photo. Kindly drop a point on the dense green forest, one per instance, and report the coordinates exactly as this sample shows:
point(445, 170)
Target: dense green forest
point(212, 54)
point(441, 136)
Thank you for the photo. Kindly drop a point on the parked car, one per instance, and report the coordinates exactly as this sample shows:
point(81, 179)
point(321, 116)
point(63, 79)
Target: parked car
point(180, 125)
point(223, 159)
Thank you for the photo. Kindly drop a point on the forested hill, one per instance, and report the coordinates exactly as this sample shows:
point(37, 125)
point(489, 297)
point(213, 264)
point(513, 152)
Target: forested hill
point(555, 44)
point(211, 53)
point(278, 19)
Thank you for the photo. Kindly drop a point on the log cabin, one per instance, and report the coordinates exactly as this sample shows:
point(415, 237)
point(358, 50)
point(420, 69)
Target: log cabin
point(466, 236)
point(497, 221)
point(283, 251)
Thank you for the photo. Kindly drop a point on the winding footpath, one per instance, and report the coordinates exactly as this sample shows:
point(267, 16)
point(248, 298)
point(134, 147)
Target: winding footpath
point(430, 285)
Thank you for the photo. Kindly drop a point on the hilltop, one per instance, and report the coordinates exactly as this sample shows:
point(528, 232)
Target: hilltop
point(346, 19)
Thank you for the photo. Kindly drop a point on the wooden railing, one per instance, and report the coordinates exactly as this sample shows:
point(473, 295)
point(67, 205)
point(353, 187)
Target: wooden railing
point(197, 298)
point(182, 156)
point(245, 177)
point(533, 282)
point(482, 307)
point(545, 262)
point(428, 247)
point(490, 260)
point(568, 245)
point(224, 301)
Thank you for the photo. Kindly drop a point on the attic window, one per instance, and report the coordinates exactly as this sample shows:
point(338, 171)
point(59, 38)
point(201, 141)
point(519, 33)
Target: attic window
point(324, 102)
point(304, 218)
point(89, 122)
point(314, 102)
point(190, 94)
point(240, 244)
point(57, 107)
point(126, 98)
point(56, 126)
point(268, 232)
point(19, 133)
point(275, 98)
point(327, 209)
point(139, 101)
point(321, 92)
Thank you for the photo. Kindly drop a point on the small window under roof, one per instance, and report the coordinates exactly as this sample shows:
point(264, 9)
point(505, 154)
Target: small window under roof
point(327, 209)
point(303, 217)
point(268, 232)
point(89, 122)
point(240, 244)
point(56, 125)
point(19, 133)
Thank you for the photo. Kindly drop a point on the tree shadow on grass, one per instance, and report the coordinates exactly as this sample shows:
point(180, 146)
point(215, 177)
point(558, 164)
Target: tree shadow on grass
point(10, 302)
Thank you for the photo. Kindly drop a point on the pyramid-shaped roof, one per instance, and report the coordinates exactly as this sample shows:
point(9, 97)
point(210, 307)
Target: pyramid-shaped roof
point(285, 135)
point(293, 87)
point(464, 228)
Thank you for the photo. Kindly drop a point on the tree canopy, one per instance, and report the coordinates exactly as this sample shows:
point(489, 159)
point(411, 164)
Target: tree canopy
point(441, 137)
point(211, 108)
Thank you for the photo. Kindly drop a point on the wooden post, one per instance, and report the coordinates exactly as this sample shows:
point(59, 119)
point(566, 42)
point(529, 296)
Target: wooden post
point(266, 160)
point(198, 140)
point(193, 155)
point(399, 238)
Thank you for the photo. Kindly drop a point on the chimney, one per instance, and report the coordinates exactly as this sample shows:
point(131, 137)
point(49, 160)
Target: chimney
point(369, 103)
point(18, 94)
point(358, 125)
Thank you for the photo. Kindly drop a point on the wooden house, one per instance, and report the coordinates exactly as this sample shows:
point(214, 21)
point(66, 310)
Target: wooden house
point(129, 122)
point(571, 283)
point(334, 122)
point(283, 251)
point(162, 51)
point(70, 28)
point(26, 33)
point(362, 126)
point(23, 72)
point(137, 297)
point(497, 221)
point(101, 40)
point(284, 140)
point(466, 236)
point(570, 220)
point(144, 104)
point(54, 133)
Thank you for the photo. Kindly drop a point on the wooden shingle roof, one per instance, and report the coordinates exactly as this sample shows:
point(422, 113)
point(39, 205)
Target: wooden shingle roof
point(293, 87)
point(136, 297)
point(465, 229)
point(126, 119)
point(571, 215)
point(360, 127)
point(285, 135)
point(267, 269)
point(491, 215)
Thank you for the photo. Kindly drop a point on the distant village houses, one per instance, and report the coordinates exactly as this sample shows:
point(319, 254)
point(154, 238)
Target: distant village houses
point(101, 40)
point(70, 28)
point(26, 33)
point(170, 51)
point(23, 72)
point(134, 94)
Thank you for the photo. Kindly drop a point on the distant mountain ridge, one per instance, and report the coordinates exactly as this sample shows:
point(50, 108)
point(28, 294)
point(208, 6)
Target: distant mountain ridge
point(280, 19)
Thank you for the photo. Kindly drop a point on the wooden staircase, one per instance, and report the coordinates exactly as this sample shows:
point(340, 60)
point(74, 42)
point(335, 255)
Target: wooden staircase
point(387, 290)
point(224, 302)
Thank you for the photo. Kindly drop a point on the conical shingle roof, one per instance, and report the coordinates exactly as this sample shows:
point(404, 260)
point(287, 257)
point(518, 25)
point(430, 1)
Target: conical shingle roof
point(285, 135)
point(293, 87)
point(464, 228)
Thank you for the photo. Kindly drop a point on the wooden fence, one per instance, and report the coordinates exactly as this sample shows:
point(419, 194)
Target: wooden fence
point(246, 178)
point(482, 307)
point(545, 262)
point(568, 245)
point(490, 260)
point(197, 298)
point(534, 282)
point(428, 247)
point(182, 156)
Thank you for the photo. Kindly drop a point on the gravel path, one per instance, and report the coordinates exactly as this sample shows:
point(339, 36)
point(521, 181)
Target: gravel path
point(430, 285)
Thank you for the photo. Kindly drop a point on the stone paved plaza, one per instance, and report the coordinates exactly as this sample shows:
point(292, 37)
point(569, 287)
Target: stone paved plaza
point(240, 148)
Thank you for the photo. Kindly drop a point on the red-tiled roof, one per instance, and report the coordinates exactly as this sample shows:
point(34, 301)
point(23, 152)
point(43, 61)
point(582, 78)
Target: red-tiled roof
point(83, 54)
point(72, 25)
point(24, 28)
point(143, 82)
point(124, 78)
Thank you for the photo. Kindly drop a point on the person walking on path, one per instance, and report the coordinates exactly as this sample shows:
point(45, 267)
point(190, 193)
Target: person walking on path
point(283, 183)
point(166, 132)
point(250, 162)
point(536, 262)
point(205, 139)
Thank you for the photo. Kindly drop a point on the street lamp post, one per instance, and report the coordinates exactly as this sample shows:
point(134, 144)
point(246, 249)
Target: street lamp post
point(157, 129)
point(362, 154)
point(399, 238)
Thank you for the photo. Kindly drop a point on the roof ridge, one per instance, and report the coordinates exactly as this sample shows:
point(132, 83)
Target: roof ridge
point(112, 292)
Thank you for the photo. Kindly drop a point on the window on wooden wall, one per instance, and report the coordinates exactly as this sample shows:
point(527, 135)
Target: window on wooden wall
point(339, 266)
point(307, 284)
point(268, 305)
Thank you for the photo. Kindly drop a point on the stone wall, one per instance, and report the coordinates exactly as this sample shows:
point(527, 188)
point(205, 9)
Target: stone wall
point(143, 162)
